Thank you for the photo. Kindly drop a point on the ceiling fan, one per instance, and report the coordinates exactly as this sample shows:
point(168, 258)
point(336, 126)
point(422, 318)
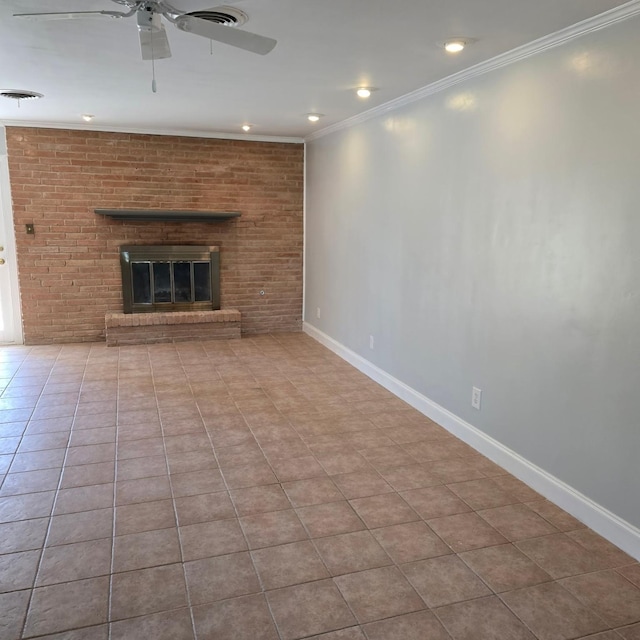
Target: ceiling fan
point(154, 43)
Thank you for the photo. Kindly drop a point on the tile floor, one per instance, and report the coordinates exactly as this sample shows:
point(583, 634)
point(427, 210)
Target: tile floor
point(263, 489)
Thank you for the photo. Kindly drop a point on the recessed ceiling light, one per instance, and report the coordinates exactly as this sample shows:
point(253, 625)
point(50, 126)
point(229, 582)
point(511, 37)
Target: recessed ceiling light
point(246, 127)
point(363, 92)
point(88, 117)
point(455, 46)
point(314, 117)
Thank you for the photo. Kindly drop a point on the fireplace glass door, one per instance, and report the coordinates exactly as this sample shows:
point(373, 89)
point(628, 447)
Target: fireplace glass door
point(170, 278)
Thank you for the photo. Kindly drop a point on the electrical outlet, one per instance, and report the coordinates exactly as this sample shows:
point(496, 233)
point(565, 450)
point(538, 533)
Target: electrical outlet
point(370, 342)
point(318, 312)
point(476, 398)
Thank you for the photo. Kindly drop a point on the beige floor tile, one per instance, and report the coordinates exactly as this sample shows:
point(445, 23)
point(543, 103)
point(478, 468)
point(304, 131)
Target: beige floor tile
point(378, 593)
point(505, 568)
point(98, 632)
point(517, 522)
point(560, 556)
point(260, 499)
point(628, 633)
point(18, 570)
point(246, 617)
point(631, 573)
point(350, 552)
point(204, 508)
point(600, 547)
point(191, 461)
point(75, 561)
point(146, 516)
point(485, 618)
point(138, 593)
point(142, 490)
point(291, 469)
point(277, 409)
point(270, 529)
point(97, 496)
point(560, 519)
point(207, 539)
point(410, 542)
point(466, 531)
point(414, 476)
point(23, 535)
point(254, 475)
point(330, 519)
point(289, 564)
point(388, 457)
point(337, 462)
point(361, 484)
point(168, 625)
point(552, 613)
point(139, 448)
point(383, 510)
point(352, 633)
point(148, 467)
point(482, 494)
point(196, 482)
point(146, 549)
point(305, 493)
point(420, 625)
point(608, 594)
point(90, 454)
point(435, 502)
point(30, 482)
point(222, 577)
point(67, 606)
point(78, 527)
point(43, 441)
point(308, 609)
point(444, 580)
point(88, 474)
point(26, 506)
point(14, 609)
point(101, 435)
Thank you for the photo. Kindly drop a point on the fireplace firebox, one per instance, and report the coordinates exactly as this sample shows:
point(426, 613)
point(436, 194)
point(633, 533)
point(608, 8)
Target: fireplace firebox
point(170, 278)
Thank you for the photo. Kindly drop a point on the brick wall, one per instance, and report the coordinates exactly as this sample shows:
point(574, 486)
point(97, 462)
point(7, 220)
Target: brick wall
point(69, 270)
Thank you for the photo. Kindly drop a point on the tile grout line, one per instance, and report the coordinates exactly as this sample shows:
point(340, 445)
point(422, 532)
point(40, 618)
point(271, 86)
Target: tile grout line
point(55, 497)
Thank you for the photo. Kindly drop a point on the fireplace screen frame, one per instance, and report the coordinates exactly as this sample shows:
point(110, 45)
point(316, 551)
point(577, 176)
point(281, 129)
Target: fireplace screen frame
point(169, 254)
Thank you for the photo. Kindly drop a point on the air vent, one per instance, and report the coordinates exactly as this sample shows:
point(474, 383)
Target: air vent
point(19, 94)
point(228, 16)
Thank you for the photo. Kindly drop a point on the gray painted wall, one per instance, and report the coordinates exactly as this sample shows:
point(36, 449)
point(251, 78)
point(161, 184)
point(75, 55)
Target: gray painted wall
point(489, 235)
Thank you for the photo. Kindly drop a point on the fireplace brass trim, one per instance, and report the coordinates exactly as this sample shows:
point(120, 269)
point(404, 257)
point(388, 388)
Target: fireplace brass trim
point(169, 253)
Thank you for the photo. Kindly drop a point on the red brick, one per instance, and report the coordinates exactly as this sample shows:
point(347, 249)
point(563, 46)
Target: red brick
point(59, 177)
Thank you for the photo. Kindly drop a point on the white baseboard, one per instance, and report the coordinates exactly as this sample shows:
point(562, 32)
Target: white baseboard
point(607, 524)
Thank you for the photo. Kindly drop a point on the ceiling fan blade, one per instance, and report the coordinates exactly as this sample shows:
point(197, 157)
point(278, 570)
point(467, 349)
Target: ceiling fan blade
point(227, 35)
point(69, 15)
point(154, 44)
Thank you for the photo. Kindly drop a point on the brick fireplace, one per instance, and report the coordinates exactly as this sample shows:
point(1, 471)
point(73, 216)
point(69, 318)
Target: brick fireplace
point(69, 268)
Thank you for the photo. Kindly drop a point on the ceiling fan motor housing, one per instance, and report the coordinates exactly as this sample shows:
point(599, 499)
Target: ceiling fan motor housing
point(148, 20)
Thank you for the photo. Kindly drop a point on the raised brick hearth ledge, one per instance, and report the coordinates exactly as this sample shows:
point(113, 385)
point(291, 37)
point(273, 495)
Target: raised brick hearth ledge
point(175, 326)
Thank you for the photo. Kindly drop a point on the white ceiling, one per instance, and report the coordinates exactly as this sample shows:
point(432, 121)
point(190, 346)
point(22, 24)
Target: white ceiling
point(325, 49)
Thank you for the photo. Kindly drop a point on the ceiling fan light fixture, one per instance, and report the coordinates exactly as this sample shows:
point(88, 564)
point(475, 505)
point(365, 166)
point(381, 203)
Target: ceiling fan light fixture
point(455, 45)
point(363, 92)
point(20, 94)
point(314, 117)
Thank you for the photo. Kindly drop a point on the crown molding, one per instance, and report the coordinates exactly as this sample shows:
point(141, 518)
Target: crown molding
point(601, 21)
point(154, 132)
